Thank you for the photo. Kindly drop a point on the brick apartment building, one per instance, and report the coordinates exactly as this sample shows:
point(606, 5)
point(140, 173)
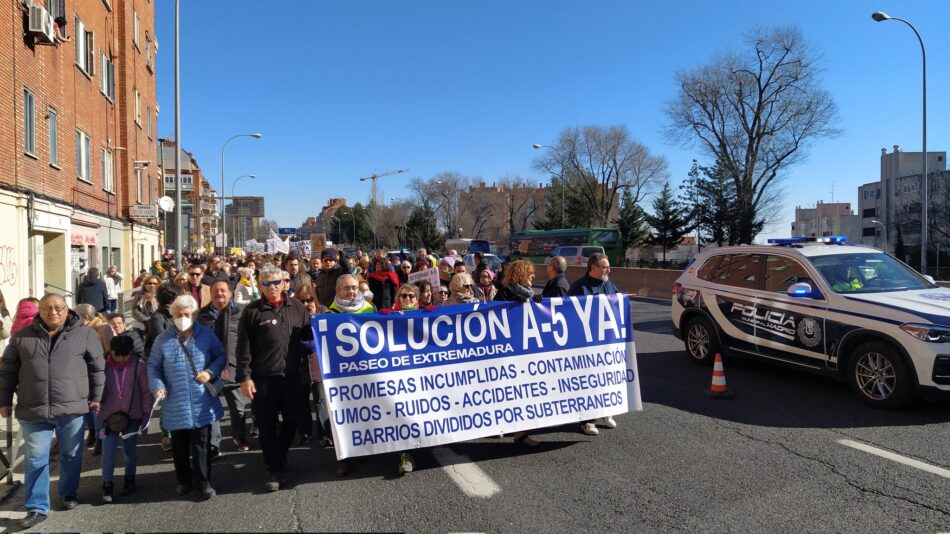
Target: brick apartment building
point(199, 201)
point(77, 151)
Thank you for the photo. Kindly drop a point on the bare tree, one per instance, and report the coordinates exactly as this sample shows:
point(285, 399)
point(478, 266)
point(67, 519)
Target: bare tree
point(520, 203)
point(755, 114)
point(597, 163)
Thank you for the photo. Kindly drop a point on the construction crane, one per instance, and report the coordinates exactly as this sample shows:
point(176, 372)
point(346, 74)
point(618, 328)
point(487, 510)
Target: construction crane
point(375, 200)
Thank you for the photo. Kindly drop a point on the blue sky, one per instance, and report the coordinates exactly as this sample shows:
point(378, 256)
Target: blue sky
point(340, 89)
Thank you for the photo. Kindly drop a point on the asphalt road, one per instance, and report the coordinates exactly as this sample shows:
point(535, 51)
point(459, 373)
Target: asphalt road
point(770, 460)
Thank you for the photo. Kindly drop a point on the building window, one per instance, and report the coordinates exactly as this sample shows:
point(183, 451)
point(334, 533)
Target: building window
point(138, 108)
point(108, 176)
point(148, 52)
point(56, 8)
point(85, 45)
point(107, 77)
point(148, 122)
point(83, 168)
point(138, 185)
point(52, 124)
point(135, 29)
point(29, 124)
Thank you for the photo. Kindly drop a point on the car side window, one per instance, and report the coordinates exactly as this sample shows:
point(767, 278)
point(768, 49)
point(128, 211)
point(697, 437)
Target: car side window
point(781, 272)
point(708, 269)
point(738, 270)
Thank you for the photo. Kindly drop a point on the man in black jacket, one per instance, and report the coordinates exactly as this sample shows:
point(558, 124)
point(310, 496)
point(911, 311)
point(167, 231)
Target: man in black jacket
point(557, 285)
point(93, 291)
point(222, 316)
point(270, 357)
point(324, 281)
point(55, 366)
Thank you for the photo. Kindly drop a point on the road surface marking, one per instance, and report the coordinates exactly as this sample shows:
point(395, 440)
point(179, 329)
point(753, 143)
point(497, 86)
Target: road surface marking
point(466, 475)
point(939, 471)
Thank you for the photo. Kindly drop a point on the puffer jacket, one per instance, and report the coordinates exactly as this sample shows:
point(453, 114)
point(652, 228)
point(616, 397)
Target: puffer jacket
point(52, 383)
point(187, 403)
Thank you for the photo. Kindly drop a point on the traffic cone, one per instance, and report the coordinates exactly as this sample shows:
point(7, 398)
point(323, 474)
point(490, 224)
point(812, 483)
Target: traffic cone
point(718, 389)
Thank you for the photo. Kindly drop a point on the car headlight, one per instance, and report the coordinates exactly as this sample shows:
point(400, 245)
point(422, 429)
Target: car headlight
point(928, 332)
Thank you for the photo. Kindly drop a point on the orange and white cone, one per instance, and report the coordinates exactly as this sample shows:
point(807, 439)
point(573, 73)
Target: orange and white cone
point(718, 389)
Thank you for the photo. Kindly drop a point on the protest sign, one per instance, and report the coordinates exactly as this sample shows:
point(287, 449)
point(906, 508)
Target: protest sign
point(431, 275)
point(419, 379)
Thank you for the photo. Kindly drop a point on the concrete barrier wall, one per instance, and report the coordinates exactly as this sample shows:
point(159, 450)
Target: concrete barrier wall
point(656, 283)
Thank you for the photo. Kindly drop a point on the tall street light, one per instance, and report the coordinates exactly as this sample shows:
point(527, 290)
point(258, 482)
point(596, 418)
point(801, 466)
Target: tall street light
point(178, 221)
point(224, 217)
point(884, 228)
point(561, 178)
point(879, 16)
point(233, 184)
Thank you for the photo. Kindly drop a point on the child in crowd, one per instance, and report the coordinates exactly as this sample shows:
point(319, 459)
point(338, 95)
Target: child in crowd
point(126, 401)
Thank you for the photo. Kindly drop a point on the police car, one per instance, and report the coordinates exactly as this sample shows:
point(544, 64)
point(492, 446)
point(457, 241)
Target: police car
point(850, 311)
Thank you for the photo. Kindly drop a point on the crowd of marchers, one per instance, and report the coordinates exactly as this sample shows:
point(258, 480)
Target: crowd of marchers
point(232, 328)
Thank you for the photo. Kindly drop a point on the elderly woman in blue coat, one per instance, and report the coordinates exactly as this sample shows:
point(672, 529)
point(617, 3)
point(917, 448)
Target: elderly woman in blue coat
point(183, 359)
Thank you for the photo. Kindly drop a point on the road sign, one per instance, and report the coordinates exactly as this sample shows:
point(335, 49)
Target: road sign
point(286, 231)
point(143, 211)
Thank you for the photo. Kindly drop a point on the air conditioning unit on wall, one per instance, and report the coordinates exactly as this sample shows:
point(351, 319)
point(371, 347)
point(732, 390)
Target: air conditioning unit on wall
point(41, 25)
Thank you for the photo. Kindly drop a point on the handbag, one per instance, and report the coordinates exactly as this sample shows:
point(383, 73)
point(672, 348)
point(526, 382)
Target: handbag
point(118, 422)
point(215, 385)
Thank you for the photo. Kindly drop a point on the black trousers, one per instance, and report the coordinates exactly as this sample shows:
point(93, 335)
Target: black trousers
point(276, 408)
point(318, 407)
point(191, 451)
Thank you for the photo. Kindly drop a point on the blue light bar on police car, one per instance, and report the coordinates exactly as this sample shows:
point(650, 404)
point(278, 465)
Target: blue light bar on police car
point(833, 239)
point(786, 240)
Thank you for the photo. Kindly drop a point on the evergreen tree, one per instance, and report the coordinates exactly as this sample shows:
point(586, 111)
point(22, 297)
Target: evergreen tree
point(711, 197)
point(671, 220)
point(631, 222)
point(421, 228)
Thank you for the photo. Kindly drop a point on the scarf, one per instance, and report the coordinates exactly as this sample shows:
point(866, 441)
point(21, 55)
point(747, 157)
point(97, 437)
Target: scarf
point(384, 276)
point(350, 306)
point(522, 291)
point(25, 312)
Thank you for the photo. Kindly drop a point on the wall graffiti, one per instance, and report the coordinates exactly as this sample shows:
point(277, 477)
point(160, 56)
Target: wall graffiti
point(8, 267)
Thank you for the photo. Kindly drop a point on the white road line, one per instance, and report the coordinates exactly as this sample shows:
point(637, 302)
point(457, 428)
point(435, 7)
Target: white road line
point(467, 476)
point(939, 471)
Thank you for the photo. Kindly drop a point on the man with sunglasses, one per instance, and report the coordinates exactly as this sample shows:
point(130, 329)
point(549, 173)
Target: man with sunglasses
point(270, 358)
point(332, 267)
point(201, 292)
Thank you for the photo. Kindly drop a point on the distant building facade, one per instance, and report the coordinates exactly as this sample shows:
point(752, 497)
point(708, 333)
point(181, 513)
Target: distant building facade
point(827, 219)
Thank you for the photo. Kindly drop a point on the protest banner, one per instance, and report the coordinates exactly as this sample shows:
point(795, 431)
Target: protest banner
point(418, 379)
point(431, 275)
point(318, 242)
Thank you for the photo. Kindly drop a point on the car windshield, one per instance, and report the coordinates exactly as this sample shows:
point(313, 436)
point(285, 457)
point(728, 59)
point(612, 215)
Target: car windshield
point(867, 273)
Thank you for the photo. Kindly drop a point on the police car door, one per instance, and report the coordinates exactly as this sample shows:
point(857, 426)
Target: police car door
point(731, 301)
point(790, 328)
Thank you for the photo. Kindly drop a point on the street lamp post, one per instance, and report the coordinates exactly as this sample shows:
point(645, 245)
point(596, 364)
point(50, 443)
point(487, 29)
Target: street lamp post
point(884, 228)
point(224, 217)
point(879, 16)
point(178, 210)
point(233, 184)
point(561, 178)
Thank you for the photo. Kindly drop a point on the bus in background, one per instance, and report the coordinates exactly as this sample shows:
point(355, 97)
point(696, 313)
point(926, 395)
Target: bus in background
point(536, 245)
point(468, 246)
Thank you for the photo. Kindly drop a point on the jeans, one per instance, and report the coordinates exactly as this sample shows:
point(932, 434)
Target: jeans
point(37, 437)
point(191, 451)
point(110, 447)
point(111, 305)
point(236, 410)
point(277, 397)
point(92, 423)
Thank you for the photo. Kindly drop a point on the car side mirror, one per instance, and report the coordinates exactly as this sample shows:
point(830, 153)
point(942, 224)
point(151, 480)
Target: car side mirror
point(930, 279)
point(801, 289)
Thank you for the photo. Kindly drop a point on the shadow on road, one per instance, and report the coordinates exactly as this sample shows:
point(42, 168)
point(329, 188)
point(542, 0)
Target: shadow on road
point(770, 395)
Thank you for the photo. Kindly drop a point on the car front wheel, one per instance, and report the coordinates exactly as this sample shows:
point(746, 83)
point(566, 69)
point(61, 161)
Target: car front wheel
point(879, 377)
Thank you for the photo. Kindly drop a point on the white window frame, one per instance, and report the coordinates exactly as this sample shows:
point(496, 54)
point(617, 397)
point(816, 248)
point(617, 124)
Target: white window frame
point(139, 172)
point(29, 122)
point(138, 108)
point(148, 122)
point(107, 77)
point(108, 171)
point(52, 126)
point(135, 29)
point(85, 49)
point(83, 165)
point(148, 52)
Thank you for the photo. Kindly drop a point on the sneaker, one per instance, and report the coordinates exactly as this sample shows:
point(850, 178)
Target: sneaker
point(590, 429)
point(167, 443)
point(274, 482)
point(107, 489)
point(405, 463)
point(69, 502)
point(32, 519)
point(129, 487)
point(183, 489)
point(207, 492)
point(241, 445)
point(607, 422)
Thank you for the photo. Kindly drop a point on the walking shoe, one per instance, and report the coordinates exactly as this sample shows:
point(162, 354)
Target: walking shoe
point(342, 468)
point(275, 481)
point(207, 492)
point(607, 422)
point(97, 448)
point(107, 492)
point(166, 443)
point(405, 463)
point(253, 433)
point(183, 489)
point(129, 487)
point(32, 519)
point(69, 502)
point(590, 429)
point(241, 445)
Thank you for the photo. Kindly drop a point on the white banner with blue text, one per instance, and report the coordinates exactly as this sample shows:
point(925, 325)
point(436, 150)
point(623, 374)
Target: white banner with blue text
point(422, 378)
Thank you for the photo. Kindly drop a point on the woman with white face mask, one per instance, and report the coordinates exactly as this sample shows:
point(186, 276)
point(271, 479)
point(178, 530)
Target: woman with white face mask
point(183, 365)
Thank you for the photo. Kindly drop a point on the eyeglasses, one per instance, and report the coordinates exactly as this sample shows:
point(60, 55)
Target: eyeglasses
point(53, 309)
point(443, 292)
point(266, 283)
point(407, 296)
point(194, 274)
point(306, 301)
